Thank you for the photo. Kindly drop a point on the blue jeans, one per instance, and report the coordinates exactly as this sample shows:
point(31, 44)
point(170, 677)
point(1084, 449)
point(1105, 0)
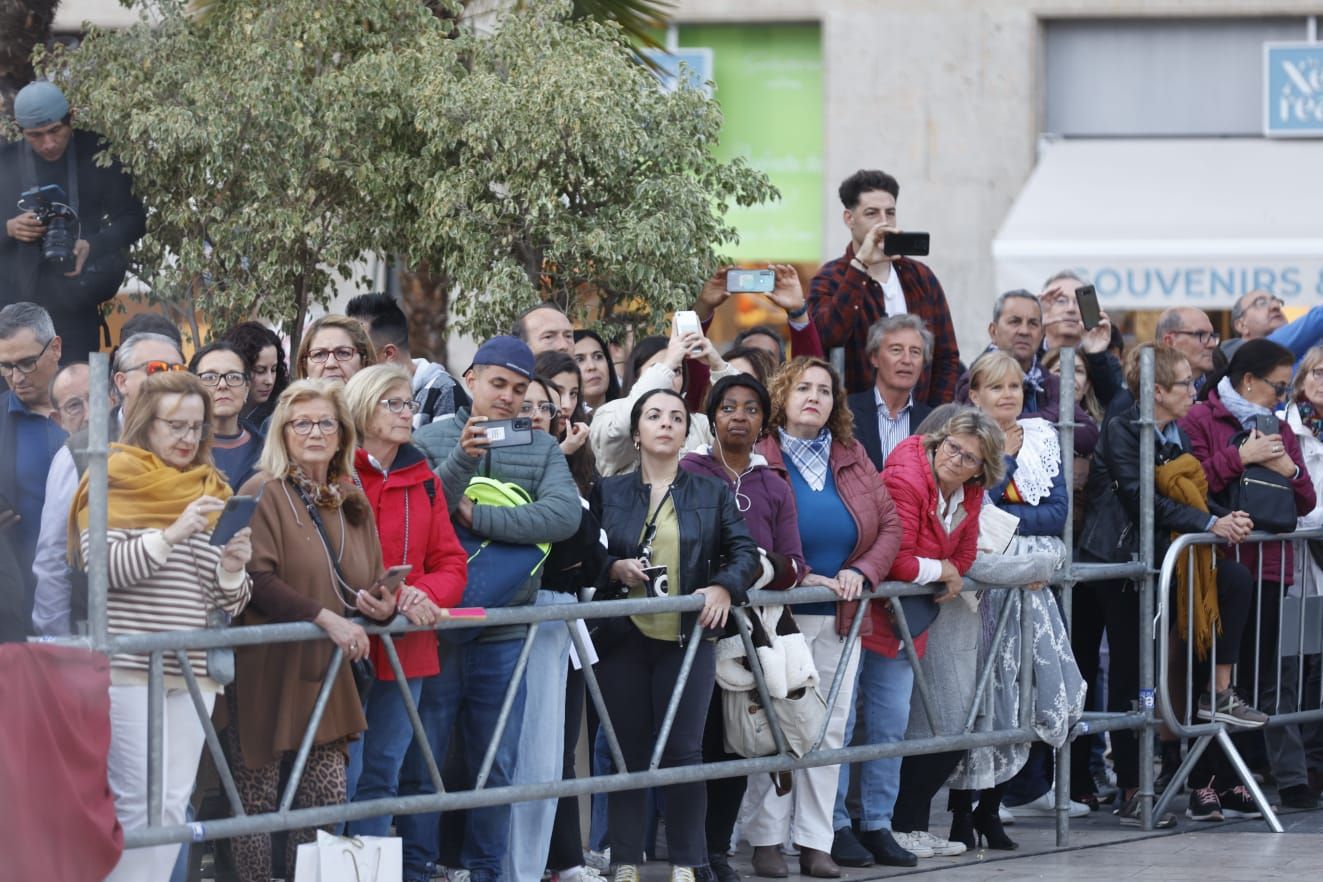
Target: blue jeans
point(465, 696)
point(376, 758)
point(886, 684)
point(541, 743)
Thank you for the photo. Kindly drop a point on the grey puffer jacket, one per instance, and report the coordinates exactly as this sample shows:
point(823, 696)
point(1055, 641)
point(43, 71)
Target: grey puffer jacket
point(538, 467)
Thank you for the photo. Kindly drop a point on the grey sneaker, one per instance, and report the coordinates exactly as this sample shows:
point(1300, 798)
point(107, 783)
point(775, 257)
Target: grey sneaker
point(1230, 709)
point(1129, 815)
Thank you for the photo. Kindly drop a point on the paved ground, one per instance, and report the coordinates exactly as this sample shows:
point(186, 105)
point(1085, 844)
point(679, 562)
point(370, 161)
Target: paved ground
point(1101, 849)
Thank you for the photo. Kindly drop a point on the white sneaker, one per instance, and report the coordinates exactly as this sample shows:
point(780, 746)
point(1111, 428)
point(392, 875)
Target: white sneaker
point(913, 843)
point(629, 873)
point(598, 860)
point(1006, 815)
point(1045, 806)
point(682, 874)
point(940, 847)
point(577, 874)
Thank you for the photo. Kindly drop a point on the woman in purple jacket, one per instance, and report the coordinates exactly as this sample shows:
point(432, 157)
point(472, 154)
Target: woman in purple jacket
point(1256, 382)
point(737, 408)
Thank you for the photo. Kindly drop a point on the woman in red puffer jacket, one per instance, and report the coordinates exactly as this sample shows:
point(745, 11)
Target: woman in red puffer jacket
point(414, 525)
point(937, 481)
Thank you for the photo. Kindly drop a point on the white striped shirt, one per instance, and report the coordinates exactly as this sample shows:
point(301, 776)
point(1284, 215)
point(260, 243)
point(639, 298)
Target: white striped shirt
point(891, 430)
point(156, 586)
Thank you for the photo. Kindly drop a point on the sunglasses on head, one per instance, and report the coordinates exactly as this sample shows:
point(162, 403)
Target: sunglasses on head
point(157, 367)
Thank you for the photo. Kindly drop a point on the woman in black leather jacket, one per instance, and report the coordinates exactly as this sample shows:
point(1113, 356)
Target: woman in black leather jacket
point(661, 516)
point(1111, 534)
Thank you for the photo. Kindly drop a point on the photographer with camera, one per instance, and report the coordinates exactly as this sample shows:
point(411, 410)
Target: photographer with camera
point(65, 247)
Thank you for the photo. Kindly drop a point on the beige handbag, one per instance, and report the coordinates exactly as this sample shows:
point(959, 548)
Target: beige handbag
point(792, 681)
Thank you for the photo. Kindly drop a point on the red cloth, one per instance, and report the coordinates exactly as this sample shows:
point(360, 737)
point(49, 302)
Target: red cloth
point(909, 477)
point(57, 813)
point(432, 543)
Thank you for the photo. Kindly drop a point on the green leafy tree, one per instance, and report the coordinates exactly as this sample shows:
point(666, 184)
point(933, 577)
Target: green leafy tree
point(248, 132)
point(557, 168)
point(276, 144)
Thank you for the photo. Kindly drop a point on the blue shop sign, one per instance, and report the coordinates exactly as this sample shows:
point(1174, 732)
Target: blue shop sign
point(1293, 90)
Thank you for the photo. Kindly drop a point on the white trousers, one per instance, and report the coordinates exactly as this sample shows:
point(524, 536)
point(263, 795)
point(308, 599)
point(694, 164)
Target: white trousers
point(813, 797)
point(182, 743)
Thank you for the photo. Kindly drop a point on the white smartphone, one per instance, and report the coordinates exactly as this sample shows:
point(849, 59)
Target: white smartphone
point(686, 322)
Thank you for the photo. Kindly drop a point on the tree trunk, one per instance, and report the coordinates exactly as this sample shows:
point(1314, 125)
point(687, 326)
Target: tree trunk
point(425, 299)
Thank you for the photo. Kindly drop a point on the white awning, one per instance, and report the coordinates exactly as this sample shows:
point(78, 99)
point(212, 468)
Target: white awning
point(1164, 222)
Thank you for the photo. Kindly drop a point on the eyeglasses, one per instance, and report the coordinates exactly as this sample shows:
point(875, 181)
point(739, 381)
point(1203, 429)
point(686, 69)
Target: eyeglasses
point(157, 367)
point(546, 408)
point(399, 405)
point(26, 365)
point(74, 407)
point(1265, 300)
point(340, 353)
point(231, 378)
point(181, 429)
point(1280, 389)
point(1188, 384)
point(955, 451)
point(1316, 375)
point(305, 427)
point(1205, 338)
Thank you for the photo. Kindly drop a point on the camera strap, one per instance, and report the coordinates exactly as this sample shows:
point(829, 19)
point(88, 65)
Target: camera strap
point(650, 528)
point(71, 173)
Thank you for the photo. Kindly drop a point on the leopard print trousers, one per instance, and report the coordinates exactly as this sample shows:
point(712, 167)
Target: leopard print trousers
point(323, 783)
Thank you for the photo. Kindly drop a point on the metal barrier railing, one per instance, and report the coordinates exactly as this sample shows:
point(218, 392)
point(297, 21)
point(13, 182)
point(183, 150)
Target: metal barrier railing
point(1182, 721)
point(177, 643)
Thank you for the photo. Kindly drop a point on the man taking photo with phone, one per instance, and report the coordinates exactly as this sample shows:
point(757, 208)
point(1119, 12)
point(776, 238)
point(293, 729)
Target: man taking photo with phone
point(849, 294)
point(474, 675)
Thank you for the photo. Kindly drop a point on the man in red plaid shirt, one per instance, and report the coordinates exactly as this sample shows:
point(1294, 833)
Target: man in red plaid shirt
point(852, 292)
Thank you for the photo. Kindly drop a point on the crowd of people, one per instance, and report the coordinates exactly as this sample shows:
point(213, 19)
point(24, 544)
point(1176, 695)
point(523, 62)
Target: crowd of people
point(691, 472)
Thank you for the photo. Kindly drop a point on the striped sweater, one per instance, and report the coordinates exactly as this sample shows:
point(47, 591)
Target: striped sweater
point(156, 586)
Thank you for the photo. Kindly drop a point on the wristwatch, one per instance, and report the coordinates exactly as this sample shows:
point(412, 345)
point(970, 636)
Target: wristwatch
point(798, 313)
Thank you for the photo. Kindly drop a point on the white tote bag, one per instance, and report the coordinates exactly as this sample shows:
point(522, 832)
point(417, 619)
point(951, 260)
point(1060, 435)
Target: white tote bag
point(350, 859)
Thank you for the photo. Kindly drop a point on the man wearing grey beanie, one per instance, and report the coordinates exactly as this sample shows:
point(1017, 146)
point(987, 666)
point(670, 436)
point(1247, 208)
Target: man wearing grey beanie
point(70, 225)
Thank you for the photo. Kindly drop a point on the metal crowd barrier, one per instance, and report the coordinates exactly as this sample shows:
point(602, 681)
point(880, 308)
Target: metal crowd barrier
point(1182, 720)
point(177, 644)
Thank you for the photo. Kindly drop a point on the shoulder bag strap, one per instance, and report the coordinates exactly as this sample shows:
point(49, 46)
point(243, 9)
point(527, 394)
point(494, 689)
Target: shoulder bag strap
point(342, 583)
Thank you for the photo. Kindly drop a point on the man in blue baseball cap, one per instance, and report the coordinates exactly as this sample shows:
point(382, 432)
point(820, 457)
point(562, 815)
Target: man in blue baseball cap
point(467, 695)
point(65, 247)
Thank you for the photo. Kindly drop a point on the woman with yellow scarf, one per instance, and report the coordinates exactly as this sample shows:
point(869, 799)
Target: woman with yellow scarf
point(164, 498)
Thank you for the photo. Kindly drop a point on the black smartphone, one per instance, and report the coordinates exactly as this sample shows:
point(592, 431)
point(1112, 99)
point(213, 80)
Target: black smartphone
point(234, 517)
point(508, 433)
point(905, 245)
point(1267, 424)
point(1090, 311)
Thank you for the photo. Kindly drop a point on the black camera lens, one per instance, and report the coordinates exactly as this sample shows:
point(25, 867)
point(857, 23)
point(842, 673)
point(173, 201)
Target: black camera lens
point(58, 244)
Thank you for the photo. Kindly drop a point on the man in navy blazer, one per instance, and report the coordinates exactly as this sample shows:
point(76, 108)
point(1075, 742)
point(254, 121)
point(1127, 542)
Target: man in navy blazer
point(898, 348)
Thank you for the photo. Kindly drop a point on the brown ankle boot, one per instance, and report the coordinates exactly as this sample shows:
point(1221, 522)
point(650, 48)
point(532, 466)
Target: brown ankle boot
point(768, 862)
point(817, 864)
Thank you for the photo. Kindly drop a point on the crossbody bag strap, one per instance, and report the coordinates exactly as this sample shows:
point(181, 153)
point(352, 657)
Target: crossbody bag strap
point(342, 584)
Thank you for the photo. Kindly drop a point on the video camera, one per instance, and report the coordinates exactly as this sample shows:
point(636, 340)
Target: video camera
point(48, 204)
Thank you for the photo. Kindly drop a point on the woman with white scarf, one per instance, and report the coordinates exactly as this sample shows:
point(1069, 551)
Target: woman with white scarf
point(1034, 491)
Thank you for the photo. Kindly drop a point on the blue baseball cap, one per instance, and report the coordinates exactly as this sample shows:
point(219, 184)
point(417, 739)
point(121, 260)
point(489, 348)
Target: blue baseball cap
point(39, 104)
point(507, 352)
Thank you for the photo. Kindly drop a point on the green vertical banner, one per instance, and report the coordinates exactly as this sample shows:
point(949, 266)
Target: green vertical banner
point(769, 84)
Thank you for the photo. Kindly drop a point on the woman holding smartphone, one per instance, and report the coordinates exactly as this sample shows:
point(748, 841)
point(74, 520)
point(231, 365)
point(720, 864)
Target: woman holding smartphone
point(165, 574)
point(416, 535)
